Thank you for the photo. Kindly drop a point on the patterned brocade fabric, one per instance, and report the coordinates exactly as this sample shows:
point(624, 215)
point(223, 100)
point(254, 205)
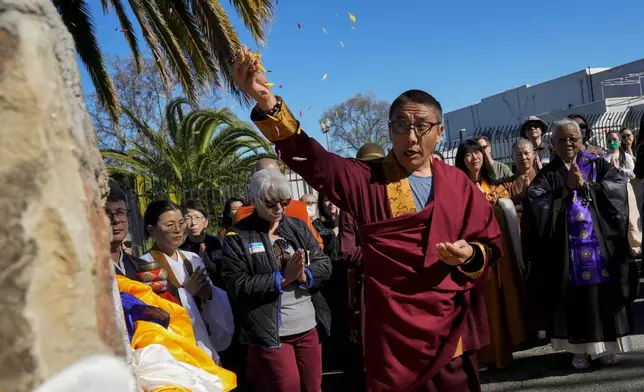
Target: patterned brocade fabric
point(278, 127)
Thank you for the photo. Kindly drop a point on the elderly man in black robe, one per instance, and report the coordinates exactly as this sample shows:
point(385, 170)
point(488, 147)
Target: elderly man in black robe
point(575, 224)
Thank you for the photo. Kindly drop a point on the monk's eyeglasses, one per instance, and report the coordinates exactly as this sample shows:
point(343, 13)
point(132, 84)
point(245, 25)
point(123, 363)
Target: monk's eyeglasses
point(421, 128)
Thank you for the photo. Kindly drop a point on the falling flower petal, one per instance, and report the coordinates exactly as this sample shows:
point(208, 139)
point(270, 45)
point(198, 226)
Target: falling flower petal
point(352, 17)
point(299, 26)
point(324, 30)
point(301, 112)
point(280, 86)
point(309, 108)
point(342, 44)
point(299, 130)
point(299, 159)
point(269, 71)
point(277, 129)
point(353, 27)
point(123, 30)
point(279, 155)
point(233, 105)
point(324, 77)
point(269, 84)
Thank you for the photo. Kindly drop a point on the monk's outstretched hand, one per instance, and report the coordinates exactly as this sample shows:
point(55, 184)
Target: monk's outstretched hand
point(456, 253)
point(251, 80)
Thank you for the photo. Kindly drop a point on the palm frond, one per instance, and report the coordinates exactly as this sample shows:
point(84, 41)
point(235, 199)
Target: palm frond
point(151, 38)
point(77, 17)
point(222, 38)
point(128, 29)
point(184, 25)
point(256, 15)
point(170, 45)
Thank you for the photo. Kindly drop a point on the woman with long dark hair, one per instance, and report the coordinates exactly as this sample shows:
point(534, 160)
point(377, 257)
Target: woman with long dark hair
point(230, 209)
point(207, 305)
point(628, 141)
point(617, 156)
point(505, 299)
point(472, 160)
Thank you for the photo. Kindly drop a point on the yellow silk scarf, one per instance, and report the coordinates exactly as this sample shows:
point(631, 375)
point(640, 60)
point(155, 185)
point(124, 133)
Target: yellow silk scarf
point(178, 338)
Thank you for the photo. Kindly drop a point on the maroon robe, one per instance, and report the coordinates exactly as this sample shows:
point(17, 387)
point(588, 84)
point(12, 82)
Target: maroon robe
point(417, 307)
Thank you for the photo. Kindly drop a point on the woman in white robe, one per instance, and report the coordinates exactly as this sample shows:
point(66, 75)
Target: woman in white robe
point(208, 306)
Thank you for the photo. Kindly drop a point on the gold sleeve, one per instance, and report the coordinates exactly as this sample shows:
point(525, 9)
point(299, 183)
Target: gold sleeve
point(278, 126)
point(483, 253)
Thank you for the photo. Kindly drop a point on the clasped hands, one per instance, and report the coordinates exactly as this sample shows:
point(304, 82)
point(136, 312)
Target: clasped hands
point(294, 270)
point(454, 254)
point(575, 178)
point(198, 284)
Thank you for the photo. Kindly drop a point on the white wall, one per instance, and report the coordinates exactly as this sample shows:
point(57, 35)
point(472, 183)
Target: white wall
point(551, 99)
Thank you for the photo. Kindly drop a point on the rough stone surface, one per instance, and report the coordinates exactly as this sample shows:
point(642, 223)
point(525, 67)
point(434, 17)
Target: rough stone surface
point(56, 280)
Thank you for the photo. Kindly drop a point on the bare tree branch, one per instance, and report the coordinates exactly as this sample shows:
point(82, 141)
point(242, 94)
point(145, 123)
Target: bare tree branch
point(359, 120)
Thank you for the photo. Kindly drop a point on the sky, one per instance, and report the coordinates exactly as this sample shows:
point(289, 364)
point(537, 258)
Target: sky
point(460, 51)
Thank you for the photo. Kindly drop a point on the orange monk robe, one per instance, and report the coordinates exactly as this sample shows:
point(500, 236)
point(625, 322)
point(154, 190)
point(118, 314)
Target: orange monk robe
point(505, 296)
point(295, 209)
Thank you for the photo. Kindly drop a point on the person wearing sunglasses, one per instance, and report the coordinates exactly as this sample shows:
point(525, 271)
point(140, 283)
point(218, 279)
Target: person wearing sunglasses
point(295, 209)
point(587, 135)
point(273, 267)
point(427, 232)
point(535, 129)
point(628, 141)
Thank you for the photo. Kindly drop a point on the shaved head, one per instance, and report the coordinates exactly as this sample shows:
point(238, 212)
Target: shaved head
point(266, 163)
point(522, 143)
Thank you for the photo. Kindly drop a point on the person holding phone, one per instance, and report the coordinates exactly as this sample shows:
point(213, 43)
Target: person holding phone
point(273, 268)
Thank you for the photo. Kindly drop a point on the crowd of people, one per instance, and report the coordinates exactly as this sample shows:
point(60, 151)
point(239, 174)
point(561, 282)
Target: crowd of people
point(403, 272)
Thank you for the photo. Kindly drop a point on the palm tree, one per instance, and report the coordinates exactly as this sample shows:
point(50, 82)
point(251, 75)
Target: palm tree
point(204, 149)
point(192, 40)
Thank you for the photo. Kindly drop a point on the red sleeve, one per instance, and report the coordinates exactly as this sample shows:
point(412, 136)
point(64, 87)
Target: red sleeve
point(350, 250)
point(340, 179)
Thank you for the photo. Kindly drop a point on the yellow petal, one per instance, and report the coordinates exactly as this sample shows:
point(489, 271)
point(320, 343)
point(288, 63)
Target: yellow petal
point(269, 84)
point(324, 77)
point(352, 17)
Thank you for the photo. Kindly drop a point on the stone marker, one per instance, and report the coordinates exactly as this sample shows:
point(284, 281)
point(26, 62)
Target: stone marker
point(56, 279)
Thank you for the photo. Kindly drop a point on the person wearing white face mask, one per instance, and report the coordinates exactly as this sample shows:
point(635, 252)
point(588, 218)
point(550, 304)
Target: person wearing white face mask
point(273, 268)
point(311, 205)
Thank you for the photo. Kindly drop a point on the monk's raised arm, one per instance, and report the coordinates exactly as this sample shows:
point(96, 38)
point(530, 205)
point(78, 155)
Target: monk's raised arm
point(337, 177)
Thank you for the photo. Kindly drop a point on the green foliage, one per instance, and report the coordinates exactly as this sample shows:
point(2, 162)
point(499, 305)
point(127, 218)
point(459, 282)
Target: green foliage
point(192, 40)
point(198, 151)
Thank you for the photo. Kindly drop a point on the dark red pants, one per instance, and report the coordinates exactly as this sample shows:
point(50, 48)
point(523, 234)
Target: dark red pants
point(295, 366)
point(460, 375)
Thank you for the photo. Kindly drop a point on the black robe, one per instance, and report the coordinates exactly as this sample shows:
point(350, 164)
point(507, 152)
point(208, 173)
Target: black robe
point(588, 313)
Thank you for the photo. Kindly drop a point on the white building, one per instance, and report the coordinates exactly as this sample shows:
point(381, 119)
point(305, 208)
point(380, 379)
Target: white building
point(589, 91)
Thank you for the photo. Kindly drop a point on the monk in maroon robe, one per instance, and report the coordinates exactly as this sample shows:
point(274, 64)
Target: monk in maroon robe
point(427, 232)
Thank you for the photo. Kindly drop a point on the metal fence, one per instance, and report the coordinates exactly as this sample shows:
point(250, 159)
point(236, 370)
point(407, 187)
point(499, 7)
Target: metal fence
point(503, 137)
point(146, 189)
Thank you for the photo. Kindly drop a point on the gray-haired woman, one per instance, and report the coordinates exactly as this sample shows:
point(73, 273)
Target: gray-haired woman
point(273, 267)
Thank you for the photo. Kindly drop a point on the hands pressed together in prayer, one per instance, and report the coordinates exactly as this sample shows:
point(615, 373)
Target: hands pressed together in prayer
point(454, 254)
point(251, 80)
point(575, 178)
point(294, 270)
point(198, 284)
